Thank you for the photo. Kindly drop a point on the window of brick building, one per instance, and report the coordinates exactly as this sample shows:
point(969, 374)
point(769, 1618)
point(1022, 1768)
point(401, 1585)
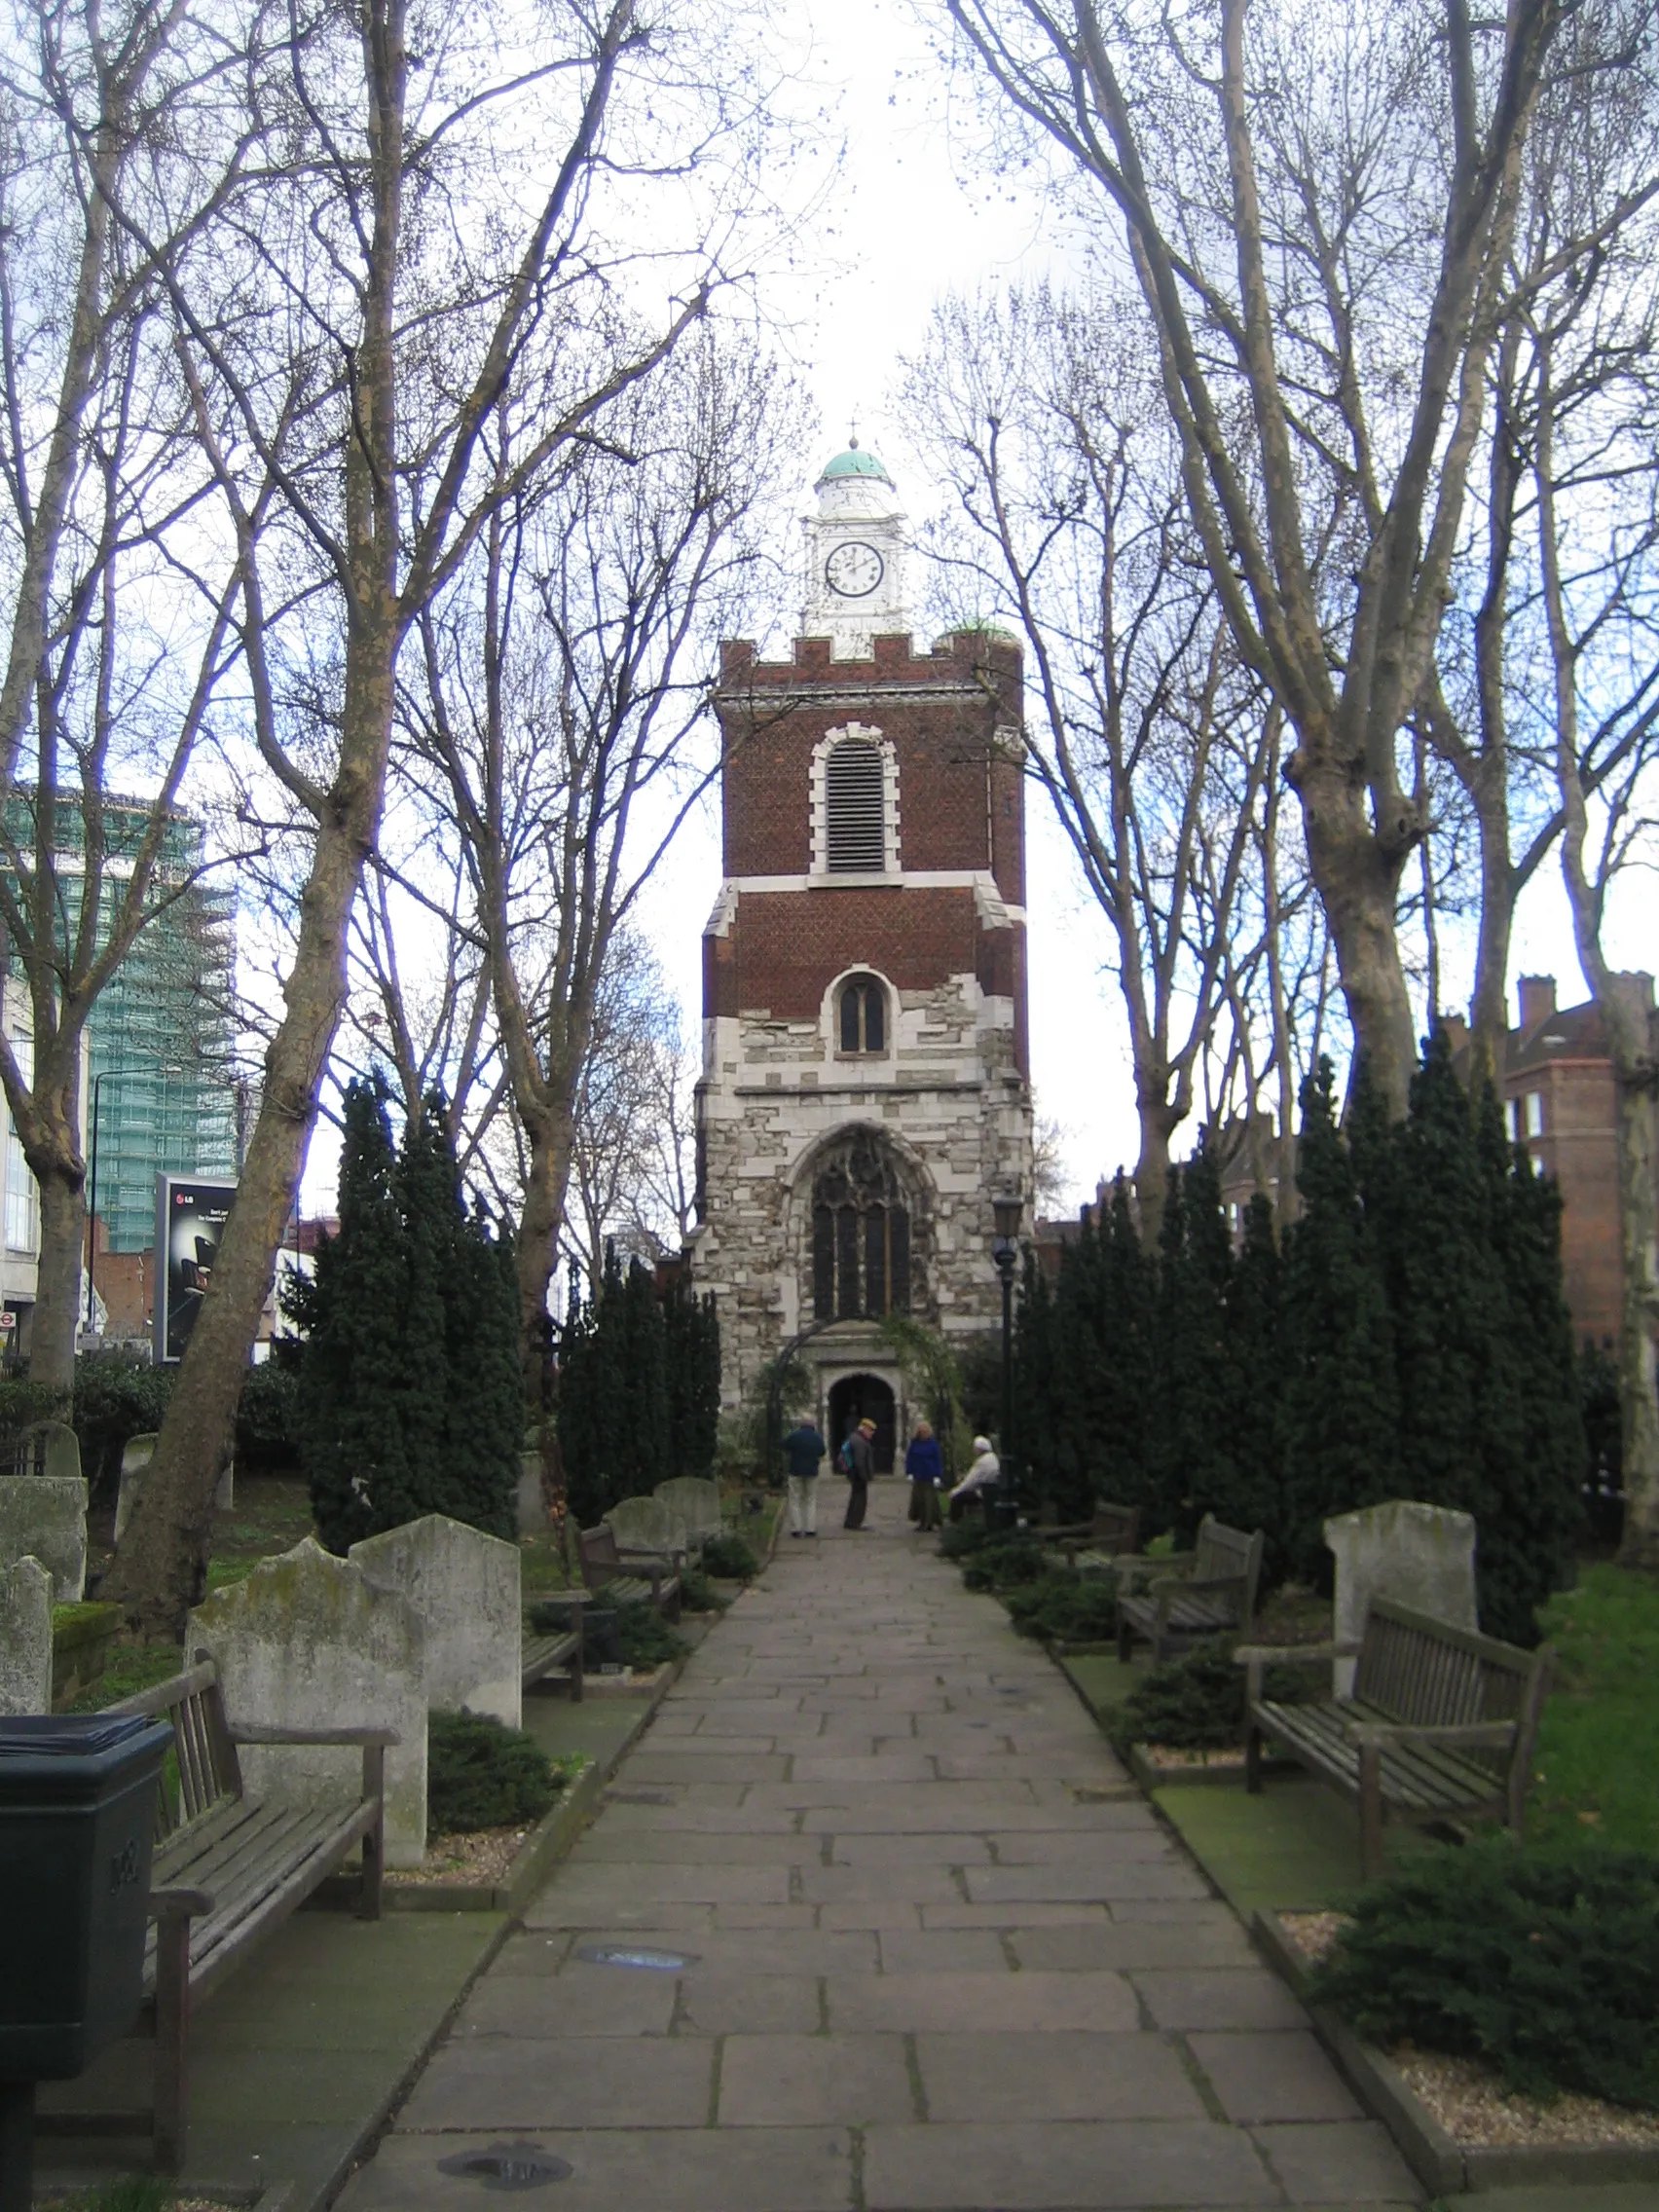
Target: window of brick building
point(1527, 1116)
point(860, 1235)
point(863, 1026)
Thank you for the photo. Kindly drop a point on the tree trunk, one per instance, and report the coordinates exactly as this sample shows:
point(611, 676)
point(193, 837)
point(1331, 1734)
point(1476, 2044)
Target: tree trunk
point(1158, 1122)
point(1489, 1002)
point(159, 1570)
point(1357, 875)
point(551, 1131)
point(57, 1294)
point(1628, 1009)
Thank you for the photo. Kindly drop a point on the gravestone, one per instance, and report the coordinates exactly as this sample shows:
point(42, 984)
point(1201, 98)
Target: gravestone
point(466, 1588)
point(647, 1525)
point(135, 1457)
point(44, 1517)
point(48, 1447)
point(309, 1641)
point(26, 1637)
point(697, 1503)
point(532, 1504)
point(1422, 1556)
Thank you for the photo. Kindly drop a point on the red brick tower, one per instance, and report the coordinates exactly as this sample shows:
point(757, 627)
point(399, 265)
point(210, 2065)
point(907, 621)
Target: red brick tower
point(865, 1085)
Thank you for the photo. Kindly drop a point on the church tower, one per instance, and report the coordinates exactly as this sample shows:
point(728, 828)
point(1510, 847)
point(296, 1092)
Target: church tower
point(866, 1090)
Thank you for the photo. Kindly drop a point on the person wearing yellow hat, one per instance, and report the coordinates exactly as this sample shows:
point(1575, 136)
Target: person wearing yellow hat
point(857, 1464)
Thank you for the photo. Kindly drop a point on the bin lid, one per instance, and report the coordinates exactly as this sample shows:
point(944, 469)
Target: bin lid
point(64, 1758)
point(72, 1735)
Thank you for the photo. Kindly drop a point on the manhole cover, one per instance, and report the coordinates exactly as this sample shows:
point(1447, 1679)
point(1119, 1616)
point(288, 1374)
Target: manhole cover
point(628, 1955)
point(639, 1798)
point(1083, 1794)
point(508, 2165)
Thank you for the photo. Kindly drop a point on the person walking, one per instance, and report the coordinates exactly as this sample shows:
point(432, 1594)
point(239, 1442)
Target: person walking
point(924, 1463)
point(982, 1476)
point(803, 1448)
point(860, 1466)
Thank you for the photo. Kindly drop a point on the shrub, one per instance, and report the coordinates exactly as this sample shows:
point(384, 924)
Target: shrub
point(1064, 1609)
point(698, 1595)
point(115, 1398)
point(961, 1540)
point(481, 1774)
point(1004, 1566)
point(732, 1557)
point(268, 1414)
point(1196, 1703)
point(647, 1639)
point(1545, 1965)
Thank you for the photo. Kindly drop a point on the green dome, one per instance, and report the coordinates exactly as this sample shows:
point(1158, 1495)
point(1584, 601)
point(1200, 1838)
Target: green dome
point(855, 461)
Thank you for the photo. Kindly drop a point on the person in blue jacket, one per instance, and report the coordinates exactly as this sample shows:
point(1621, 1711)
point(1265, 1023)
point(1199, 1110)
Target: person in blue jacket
point(924, 1463)
point(803, 1448)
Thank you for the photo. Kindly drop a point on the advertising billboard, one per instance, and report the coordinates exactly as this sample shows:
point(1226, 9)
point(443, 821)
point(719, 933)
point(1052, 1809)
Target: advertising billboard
point(189, 1220)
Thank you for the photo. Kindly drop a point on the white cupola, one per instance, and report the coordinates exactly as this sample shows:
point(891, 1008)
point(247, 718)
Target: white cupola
point(857, 548)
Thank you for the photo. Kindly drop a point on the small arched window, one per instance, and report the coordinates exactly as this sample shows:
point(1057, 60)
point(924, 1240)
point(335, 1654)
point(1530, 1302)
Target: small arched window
point(864, 1015)
point(855, 808)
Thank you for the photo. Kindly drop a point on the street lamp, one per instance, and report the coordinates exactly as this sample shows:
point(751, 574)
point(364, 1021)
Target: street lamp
point(1007, 1206)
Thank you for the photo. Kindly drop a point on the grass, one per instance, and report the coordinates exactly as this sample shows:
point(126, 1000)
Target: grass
point(130, 1668)
point(1596, 1764)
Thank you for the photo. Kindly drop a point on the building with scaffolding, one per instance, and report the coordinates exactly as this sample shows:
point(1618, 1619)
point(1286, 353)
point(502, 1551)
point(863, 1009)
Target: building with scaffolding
point(157, 1089)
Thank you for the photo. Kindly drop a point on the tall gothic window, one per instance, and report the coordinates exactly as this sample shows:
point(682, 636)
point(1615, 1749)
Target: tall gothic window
point(854, 807)
point(860, 1235)
point(864, 1015)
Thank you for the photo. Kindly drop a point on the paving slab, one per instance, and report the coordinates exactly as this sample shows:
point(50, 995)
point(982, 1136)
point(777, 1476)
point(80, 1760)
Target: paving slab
point(920, 1945)
point(812, 2079)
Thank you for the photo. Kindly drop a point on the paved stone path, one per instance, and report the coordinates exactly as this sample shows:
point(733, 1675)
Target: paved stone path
point(939, 1950)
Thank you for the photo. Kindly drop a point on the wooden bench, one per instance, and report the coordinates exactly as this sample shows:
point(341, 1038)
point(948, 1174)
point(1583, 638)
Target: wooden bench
point(544, 1655)
point(227, 1869)
point(1192, 1596)
point(1114, 1531)
point(1441, 1724)
point(605, 1570)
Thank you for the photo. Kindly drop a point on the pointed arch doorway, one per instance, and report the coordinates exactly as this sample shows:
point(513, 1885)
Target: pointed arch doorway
point(865, 1397)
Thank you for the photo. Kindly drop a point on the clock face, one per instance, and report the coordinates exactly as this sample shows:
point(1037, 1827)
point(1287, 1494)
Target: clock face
point(854, 569)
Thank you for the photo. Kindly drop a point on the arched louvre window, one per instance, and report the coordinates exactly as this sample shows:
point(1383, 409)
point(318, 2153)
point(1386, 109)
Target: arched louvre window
point(860, 1236)
point(864, 1015)
point(854, 807)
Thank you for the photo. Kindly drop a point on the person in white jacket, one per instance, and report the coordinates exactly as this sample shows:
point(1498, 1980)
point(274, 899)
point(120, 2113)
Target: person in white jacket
point(984, 1474)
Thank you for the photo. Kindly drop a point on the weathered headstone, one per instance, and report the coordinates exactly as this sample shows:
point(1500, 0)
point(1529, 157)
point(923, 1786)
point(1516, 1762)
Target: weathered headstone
point(647, 1525)
point(50, 1448)
point(531, 1503)
point(697, 1502)
point(466, 1588)
point(44, 1517)
point(135, 1457)
point(26, 1637)
point(1422, 1556)
point(309, 1641)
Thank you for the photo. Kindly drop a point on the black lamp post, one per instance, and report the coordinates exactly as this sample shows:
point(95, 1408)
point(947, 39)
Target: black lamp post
point(1008, 1207)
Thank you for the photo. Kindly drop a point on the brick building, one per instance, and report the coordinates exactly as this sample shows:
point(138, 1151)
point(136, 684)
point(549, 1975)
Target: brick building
point(866, 1087)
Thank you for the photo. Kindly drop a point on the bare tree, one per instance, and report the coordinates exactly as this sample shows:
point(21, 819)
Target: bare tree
point(1319, 207)
point(569, 766)
point(111, 125)
point(631, 1175)
point(1151, 742)
point(442, 249)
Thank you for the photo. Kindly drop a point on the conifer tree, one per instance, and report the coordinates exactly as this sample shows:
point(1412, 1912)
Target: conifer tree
point(1255, 1359)
point(642, 1459)
point(693, 1351)
point(350, 1402)
point(409, 1397)
point(1126, 1334)
point(1341, 1406)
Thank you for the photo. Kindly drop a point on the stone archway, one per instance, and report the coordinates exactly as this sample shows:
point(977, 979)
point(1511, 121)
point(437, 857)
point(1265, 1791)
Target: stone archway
point(854, 1398)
